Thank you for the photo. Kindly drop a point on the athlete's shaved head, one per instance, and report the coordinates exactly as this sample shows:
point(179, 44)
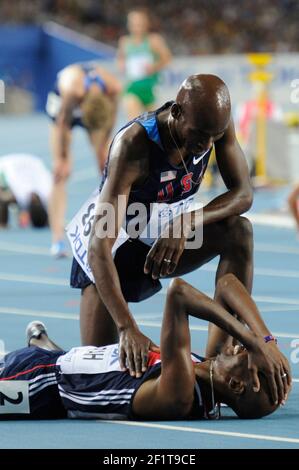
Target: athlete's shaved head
point(234, 386)
point(206, 97)
point(201, 112)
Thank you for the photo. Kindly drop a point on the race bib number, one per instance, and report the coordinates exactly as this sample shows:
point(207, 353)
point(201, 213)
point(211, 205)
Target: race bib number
point(79, 230)
point(90, 360)
point(162, 214)
point(14, 397)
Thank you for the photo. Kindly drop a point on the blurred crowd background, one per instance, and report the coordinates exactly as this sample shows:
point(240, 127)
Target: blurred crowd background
point(39, 38)
point(190, 26)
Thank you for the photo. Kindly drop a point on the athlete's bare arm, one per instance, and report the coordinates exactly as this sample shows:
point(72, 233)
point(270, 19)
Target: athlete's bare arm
point(233, 296)
point(61, 137)
point(162, 53)
point(121, 59)
point(171, 394)
point(234, 171)
point(113, 85)
point(128, 164)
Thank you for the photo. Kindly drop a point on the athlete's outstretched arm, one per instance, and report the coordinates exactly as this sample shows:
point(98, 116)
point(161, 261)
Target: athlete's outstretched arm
point(233, 296)
point(126, 166)
point(260, 359)
point(171, 395)
point(61, 138)
point(234, 171)
point(162, 52)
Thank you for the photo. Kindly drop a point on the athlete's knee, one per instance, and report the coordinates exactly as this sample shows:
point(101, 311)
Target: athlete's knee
point(238, 234)
point(225, 282)
point(238, 227)
point(176, 290)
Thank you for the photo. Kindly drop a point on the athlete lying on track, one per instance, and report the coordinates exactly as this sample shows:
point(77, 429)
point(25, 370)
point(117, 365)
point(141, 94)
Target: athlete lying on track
point(243, 367)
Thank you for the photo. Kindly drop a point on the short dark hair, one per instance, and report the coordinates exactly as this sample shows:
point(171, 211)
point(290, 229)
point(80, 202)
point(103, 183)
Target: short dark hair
point(37, 211)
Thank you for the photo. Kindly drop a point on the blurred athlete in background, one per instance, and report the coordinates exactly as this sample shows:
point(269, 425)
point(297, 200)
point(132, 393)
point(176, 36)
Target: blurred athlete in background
point(85, 95)
point(293, 201)
point(141, 55)
point(26, 182)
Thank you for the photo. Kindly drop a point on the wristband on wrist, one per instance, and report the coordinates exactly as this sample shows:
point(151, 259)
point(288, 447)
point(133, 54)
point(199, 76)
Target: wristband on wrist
point(269, 338)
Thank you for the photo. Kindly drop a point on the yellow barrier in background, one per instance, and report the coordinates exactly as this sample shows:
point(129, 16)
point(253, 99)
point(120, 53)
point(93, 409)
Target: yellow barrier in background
point(260, 77)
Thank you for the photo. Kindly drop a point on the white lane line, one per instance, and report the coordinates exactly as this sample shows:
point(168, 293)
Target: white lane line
point(257, 298)
point(141, 320)
point(51, 281)
point(44, 251)
point(279, 309)
point(84, 175)
point(278, 249)
point(205, 328)
point(260, 271)
point(37, 313)
point(276, 300)
point(284, 221)
point(24, 249)
point(167, 427)
point(39, 250)
point(54, 281)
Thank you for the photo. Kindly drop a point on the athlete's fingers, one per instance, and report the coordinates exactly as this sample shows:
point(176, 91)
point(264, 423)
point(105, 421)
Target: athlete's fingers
point(144, 358)
point(153, 347)
point(131, 363)
point(167, 260)
point(273, 388)
point(284, 376)
point(157, 262)
point(122, 358)
point(174, 262)
point(282, 384)
point(149, 259)
point(287, 370)
point(138, 362)
point(255, 378)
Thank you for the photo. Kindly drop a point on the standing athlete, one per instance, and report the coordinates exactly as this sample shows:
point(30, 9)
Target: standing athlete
point(141, 55)
point(161, 157)
point(85, 95)
point(293, 201)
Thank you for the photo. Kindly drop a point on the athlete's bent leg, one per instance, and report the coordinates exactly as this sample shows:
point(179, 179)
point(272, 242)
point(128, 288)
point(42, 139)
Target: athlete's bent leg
point(58, 198)
point(232, 240)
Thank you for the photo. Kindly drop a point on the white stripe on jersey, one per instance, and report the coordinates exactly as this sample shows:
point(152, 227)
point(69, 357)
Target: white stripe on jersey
point(86, 402)
point(40, 378)
point(98, 399)
point(102, 392)
point(98, 396)
point(44, 385)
